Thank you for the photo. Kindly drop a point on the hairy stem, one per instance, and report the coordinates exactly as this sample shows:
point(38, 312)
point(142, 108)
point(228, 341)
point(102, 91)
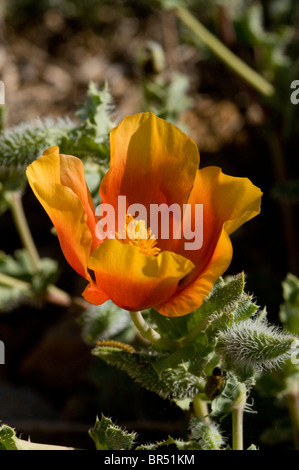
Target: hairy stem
point(225, 54)
point(149, 333)
point(20, 220)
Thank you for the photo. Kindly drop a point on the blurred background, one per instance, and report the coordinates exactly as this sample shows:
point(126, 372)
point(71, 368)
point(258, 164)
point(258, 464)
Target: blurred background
point(51, 388)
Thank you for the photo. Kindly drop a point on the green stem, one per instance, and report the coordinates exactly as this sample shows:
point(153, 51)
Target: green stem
point(53, 294)
point(200, 408)
point(237, 419)
point(150, 334)
point(201, 326)
point(20, 220)
point(10, 281)
point(225, 54)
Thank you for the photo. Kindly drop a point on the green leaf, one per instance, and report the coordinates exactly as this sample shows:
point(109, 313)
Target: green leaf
point(7, 438)
point(172, 383)
point(207, 433)
point(253, 345)
point(178, 444)
point(22, 144)
point(19, 283)
point(222, 404)
point(108, 436)
point(97, 110)
point(197, 332)
point(106, 321)
point(88, 140)
point(9, 441)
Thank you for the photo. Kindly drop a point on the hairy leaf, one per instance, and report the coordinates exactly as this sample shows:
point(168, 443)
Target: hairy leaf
point(172, 383)
point(108, 436)
point(253, 344)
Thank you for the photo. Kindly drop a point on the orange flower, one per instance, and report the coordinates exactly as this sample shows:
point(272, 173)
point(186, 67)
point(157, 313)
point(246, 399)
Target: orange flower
point(153, 164)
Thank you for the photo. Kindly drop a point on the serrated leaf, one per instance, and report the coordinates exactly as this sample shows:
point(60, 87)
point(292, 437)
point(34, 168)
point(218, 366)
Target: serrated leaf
point(207, 432)
point(97, 110)
point(9, 441)
point(178, 444)
point(108, 436)
point(175, 383)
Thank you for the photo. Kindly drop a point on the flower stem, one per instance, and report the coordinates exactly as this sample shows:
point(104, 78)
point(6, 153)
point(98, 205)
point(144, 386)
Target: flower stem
point(237, 419)
point(10, 281)
point(53, 294)
point(225, 54)
point(200, 408)
point(149, 333)
point(20, 220)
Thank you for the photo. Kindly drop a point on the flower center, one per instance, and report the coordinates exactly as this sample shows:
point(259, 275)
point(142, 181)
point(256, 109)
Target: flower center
point(135, 233)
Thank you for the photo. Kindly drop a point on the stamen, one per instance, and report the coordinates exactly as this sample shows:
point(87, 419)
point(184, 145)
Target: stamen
point(136, 234)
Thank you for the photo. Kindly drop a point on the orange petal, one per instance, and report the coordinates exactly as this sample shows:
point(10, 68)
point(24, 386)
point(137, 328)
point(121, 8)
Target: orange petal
point(58, 183)
point(152, 162)
point(133, 280)
point(94, 295)
point(228, 202)
point(191, 296)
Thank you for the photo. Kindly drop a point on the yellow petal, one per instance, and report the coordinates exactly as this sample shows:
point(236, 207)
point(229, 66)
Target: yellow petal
point(133, 280)
point(50, 178)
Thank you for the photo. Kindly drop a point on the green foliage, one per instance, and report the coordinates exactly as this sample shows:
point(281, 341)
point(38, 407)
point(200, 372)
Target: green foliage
point(20, 283)
point(87, 139)
point(9, 441)
point(7, 438)
point(22, 144)
point(253, 345)
point(168, 98)
point(221, 331)
point(207, 432)
point(176, 383)
point(106, 321)
point(175, 444)
point(224, 402)
point(108, 436)
point(203, 435)
point(90, 138)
